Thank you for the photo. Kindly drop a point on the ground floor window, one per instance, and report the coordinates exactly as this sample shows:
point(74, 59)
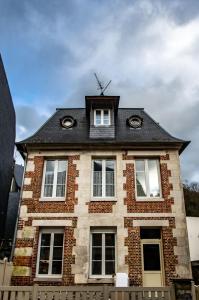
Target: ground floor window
point(50, 252)
point(102, 250)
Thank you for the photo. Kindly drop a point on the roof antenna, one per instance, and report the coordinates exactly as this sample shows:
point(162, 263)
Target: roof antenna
point(101, 87)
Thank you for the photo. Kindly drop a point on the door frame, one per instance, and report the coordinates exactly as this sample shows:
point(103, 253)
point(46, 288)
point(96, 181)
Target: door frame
point(152, 242)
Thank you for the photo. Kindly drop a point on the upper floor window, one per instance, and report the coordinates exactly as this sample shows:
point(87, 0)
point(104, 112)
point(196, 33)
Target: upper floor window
point(103, 178)
point(50, 252)
point(102, 117)
point(147, 178)
point(54, 179)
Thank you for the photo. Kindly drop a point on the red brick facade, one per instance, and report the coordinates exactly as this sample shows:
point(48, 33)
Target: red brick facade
point(100, 206)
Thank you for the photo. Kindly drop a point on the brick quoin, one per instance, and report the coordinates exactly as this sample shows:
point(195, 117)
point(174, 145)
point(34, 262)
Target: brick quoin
point(134, 257)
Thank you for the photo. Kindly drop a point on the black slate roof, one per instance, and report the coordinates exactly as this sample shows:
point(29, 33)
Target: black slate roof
point(52, 132)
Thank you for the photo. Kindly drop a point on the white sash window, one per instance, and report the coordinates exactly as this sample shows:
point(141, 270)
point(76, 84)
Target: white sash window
point(103, 178)
point(50, 253)
point(102, 117)
point(54, 179)
point(148, 178)
point(102, 259)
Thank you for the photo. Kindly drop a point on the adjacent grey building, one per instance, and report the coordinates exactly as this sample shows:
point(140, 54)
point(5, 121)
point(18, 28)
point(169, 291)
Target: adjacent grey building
point(7, 139)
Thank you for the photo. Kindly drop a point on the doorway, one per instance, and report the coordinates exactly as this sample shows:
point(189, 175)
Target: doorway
point(152, 257)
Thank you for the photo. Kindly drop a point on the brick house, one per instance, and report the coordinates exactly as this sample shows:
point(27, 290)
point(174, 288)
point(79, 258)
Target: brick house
point(101, 195)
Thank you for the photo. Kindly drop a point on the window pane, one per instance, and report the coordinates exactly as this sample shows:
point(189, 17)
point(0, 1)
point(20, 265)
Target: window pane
point(48, 190)
point(110, 267)
point(97, 239)
point(110, 253)
point(151, 257)
point(141, 184)
point(97, 165)
point(50, 165)
point(140, 165)
point(57, 267)
point(49, 177)
point(154, 189)
point(61, 178)
point(45, 239)
point(43, 267)
point(109, 239)
point(57, 253)
point(106, 117)
point(44, 253)
point(98, 117)
point(58, 239)
point(97, 253)
point(96, 268)
point(110, 164)
point(97, 178)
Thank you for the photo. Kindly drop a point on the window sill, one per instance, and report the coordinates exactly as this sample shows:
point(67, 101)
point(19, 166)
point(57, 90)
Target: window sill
point(100, 280)
point(102, 125)
point(49, 199)
point(148, 199)
point(59, 279)
point(103, 199)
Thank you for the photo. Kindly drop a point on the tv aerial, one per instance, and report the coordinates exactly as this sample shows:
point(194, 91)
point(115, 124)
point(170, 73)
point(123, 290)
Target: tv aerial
point(101, 86)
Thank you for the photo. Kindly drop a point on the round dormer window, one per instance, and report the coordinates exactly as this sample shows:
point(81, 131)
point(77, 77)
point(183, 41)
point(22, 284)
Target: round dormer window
point(67, 122)
point(135, 122)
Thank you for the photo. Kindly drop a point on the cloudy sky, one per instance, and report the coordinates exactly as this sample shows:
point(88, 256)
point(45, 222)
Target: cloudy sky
point(148, 48)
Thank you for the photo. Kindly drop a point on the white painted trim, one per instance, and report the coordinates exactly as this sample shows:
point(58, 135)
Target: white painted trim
point(50, 223)
point(57, 199)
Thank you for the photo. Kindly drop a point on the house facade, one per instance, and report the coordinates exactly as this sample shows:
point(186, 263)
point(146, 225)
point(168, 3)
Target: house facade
point(101, 195)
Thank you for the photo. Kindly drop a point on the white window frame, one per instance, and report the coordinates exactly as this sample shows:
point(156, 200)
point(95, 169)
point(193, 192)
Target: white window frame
point(104, 179)
point(53, 197)
point(52, 232)
point(102, 117)
point(103, 232)
point(146, 172)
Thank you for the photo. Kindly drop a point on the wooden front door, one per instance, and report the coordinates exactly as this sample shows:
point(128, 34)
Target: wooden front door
point(152, 263)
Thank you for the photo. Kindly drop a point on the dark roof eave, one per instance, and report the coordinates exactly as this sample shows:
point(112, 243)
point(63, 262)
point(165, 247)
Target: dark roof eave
point(179, 145)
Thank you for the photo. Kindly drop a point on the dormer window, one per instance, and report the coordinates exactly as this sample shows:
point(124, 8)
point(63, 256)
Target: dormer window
point(102, 117)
